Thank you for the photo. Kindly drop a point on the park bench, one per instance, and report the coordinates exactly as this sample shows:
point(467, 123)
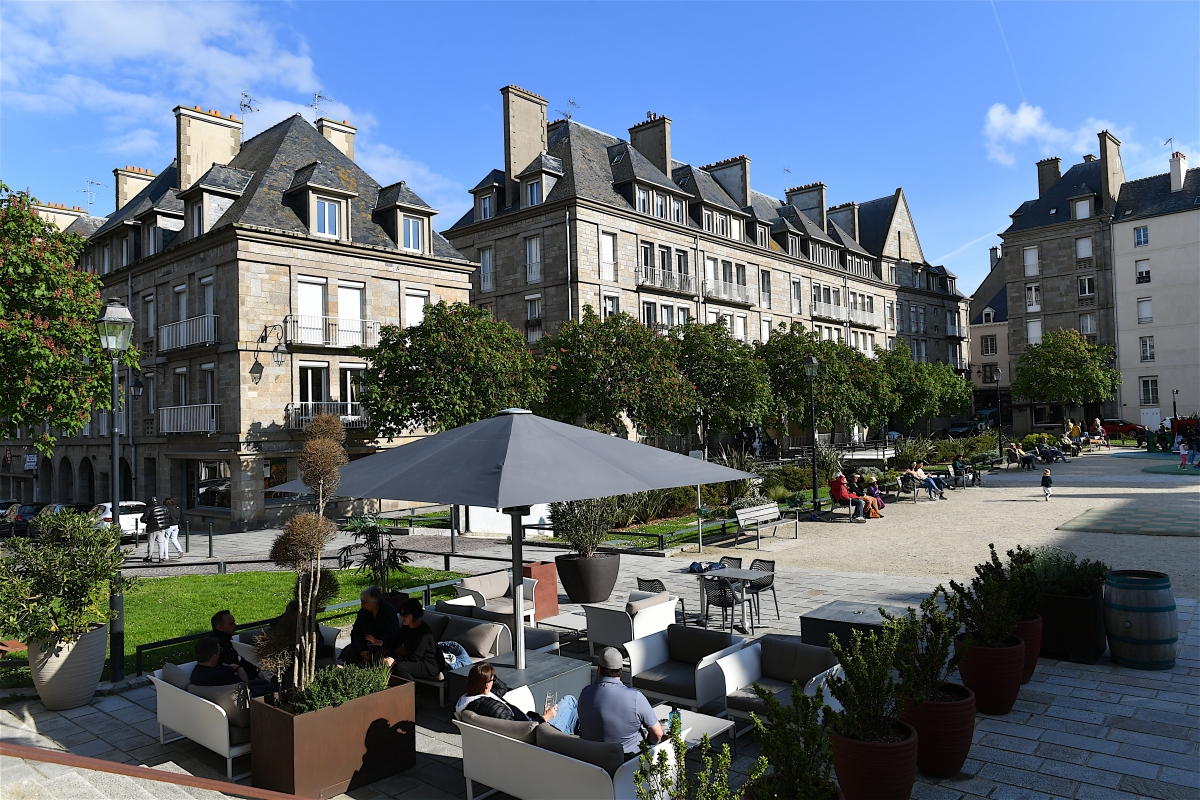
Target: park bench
point(756, 516)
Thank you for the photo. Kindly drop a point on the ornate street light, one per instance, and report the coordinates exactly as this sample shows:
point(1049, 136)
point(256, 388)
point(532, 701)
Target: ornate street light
point(810, 369)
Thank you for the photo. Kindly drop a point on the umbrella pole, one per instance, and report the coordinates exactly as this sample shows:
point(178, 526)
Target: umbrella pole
point(699, 523)
point(518, 585)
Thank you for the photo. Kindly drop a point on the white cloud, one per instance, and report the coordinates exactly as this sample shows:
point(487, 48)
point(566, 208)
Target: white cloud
point(1005, 128)
point(141, 140)
point(387, 165)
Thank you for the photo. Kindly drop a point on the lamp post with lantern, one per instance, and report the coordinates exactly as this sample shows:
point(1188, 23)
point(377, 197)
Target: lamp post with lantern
point(115, 325)
point(996, 373)
point(810, 369)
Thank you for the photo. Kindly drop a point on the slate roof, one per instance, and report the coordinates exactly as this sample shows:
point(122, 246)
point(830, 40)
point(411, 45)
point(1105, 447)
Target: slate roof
point(145, 200)
point(703, 187)
point(1152, 196)
point(86, 225)
point(763, 207)
point(806, 226)
point(998, 303)
point(1074, 182)
point(221, 178)
point(169, 202)
point(493, 178)
point(543, 163)
point(874, 217)
point(317, 176)
point(846, 240)
point(399, 192)
point(635, 166)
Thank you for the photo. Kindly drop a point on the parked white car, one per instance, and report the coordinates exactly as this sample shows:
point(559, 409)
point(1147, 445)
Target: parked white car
point(131, 516)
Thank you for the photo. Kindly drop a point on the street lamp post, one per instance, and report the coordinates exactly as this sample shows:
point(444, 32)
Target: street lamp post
point(810, 369)
point(115, 325)
point(1174, 407)
point(996, 373)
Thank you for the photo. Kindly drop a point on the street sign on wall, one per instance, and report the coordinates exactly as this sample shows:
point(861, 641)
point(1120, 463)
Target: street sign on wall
point(30, 463)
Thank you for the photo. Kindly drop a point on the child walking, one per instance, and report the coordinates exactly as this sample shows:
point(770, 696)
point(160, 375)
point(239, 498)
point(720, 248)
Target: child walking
point(1184, 448)
point(1047, 482)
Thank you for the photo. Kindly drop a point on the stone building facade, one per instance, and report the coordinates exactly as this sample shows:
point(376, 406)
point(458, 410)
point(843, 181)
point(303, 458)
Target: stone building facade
point(252, 268)
point(989, 344)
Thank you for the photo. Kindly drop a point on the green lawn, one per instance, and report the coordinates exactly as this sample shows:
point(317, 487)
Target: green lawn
point(165, 608)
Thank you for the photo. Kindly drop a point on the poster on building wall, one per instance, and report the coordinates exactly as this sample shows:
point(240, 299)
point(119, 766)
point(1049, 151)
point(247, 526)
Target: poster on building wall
point(30, 463)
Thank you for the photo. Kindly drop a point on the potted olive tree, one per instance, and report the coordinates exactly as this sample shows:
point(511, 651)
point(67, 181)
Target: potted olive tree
point(587, 576)
point(992, 656)
point(1071, 604)
point(335, 729)
point(874, 751)
point(54, 590)
point(795, 748)
point(943, 713)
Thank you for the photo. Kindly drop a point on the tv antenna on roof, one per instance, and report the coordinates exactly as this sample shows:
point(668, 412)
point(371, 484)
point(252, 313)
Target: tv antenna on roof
point(316, 103)
point(571, 104)
point(246, 105)
point(90, 192)
point(786, 171)
point(1167, 143)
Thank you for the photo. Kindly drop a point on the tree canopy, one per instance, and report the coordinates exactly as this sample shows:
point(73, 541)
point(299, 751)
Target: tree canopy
point(459, 365)
point(55, 370)
point(842, 386)
point(732, 388)
point(1064, 368)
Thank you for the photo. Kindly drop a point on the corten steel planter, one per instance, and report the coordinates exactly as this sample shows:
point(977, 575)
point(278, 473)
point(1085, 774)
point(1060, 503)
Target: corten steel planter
point(944, 730)
point(1029, 631)
point(588, 580)
point(66, 676)
point(545, 599)
point(993, 673)
point(875, 770)
point(333, 750)
point(1073, 627)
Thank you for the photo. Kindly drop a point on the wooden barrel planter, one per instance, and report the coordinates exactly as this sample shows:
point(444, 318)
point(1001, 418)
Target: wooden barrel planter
point(1140, 619)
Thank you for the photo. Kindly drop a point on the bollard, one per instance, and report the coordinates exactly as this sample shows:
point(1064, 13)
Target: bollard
point(210, 552)
point(221, 568)
point(187, 537)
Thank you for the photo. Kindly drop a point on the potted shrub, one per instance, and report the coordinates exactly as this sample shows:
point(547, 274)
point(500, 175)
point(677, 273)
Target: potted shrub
point(943, 713)
point(379, 558)
point(1020, 581)
point(332, 730)
point(587, 576)
point(795, 747)
point(874, 752)
point(992, 657)
point(1071, 604)
point(668, 779)
point(54, 597)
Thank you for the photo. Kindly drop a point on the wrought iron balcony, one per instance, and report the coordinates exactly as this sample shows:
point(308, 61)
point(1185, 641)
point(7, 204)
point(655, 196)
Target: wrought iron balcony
point(330, 331)
point(205, 418)
point(828, 311)
point(730, 292)
point(667, 280)
point(188, 332)
point(352, 415)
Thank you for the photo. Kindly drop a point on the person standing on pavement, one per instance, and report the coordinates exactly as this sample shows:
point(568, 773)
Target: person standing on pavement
point(1047, 483)
point(157, 520)
point(171, 535)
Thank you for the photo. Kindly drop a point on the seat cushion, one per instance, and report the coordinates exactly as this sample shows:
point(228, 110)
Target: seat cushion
point(537, 638)
point(745, 699)
point(248, 637)
point(239, 735)
point(690, 645)
point(457, 609)
point(175, 676)
point(673, 678)
point(521, 730)
point(786, 658)
point(634, 606)
point(477, 638)
point(492, 585)
point(437, 624)
point(504, 605)
point(234, 699)
point(608, 756)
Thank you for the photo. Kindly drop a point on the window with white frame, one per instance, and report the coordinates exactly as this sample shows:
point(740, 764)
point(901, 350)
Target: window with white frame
point(1145, 310)
point(413, 233)
point(735, 229)
point(533, 193)
point(762, 236)
point(793, 244)
point(126, 255)
point(666, 316)
point(486, 209)
point(328, 217)
point(683, 314)
point(1141, 236)
point(764, 334)
point(1087, 324)
point(611, 305)
point(209, 371)
point(1086, 285)
point(649, 313)
point(987, 345)
point(533, 319)
point(660, 205)
point(1149, 391)
point(487, 273)
point(891, 273)
point(1030, 259)
point(1033, 297)
point(890, 312)
point(681, 262)
point(608, 256)
point(1147, 347)
point(1083, 208)
point(677, 211)
point(149, 315)
point(708, 220)
point(764, 288)
point(1083, 247)
point(533, 259)
point(647, 251)
point(415, 301)
point(1033, 331)
point(197, 219)
point(664, 259)
point(739, 274)
point(710, 269)
point(643, 201)
point(722, 225)
point(795, 295)
point(739, 327)
point(1143, 270)
point(152, 238)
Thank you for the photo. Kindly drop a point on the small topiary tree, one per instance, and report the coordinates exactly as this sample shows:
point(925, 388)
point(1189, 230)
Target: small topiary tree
point(925, 656)
point(870, 704)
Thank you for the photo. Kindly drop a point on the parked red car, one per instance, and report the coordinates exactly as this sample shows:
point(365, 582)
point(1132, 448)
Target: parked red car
point(1120, 428)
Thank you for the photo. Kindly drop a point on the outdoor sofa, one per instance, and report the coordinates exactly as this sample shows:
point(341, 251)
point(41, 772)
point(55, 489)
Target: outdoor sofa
point(644, 613)
point(680, 664)
point(493, 592)
point(244, 644)
point(215, 717)
point(774, 662)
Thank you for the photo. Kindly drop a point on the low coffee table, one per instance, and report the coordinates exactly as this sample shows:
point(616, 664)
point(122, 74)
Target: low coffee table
point(544, 672)
point(840, 617)
point(700, 725)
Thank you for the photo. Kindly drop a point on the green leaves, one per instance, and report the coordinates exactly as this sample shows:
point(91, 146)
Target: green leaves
point(1064, 368)
point(870, 703)
point(925, 656)
point(333, 686)
point(795, 745)
point(731, 383)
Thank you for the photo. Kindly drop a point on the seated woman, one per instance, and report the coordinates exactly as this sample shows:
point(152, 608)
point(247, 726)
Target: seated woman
point(415, 651)
point(968, 472)
point(932, 483)
point(479, 700)
point(374, 631)
point(840, 492)
point(873, 491)
point(1065, 445)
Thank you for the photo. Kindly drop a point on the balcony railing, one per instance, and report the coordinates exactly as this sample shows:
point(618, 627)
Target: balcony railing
point(204, 418)
point(865, 318)
point(733, 292)
point(331, 331)
point(187, 332)
point(1143, 277)
point(665, 279)
point(959, 331)
point(828, 311)
point(1088, 301)
point(1144, 320)
point(352, 415)
point(960, 363)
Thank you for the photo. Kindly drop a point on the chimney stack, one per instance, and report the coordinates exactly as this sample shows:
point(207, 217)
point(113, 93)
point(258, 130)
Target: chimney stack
point(652, 139)
point(809, 200)
point(1178, 171)
point(524, 134)
point(994, 252)
point(733, 174)
point(203, 138)
point(846, 217)
point(1111, 172)
point(1049, 171)
point(340, 133)
point(128, 182)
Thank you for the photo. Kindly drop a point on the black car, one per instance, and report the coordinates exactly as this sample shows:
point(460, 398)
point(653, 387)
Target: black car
point(20, 520)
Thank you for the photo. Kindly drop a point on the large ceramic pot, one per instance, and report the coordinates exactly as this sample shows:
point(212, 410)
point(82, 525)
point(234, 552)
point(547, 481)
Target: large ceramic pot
point(1029, 631)
point(66, 675)
point(588, 580)
point(993, 673)
point(876, 770)
point(944, 730)
point(1073, 627)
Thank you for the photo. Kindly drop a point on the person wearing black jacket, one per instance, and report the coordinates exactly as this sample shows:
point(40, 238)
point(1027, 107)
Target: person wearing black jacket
point(157, 519)
point(375, 630)
point(416, 653)
point(223, 627)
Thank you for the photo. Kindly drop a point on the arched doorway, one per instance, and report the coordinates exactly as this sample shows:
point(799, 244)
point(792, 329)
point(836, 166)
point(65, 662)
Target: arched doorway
point(127, 488)
point(66, 481)
point(45, 481)
point(87, 481)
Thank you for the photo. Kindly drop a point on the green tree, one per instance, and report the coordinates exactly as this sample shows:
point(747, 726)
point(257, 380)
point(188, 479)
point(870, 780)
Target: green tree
point(458, 366)
point(953, 392)
point(1065, 369)
point(54, 370)
point(598, 369)
point(845, 387)
point(732, 388)
point(921, 389)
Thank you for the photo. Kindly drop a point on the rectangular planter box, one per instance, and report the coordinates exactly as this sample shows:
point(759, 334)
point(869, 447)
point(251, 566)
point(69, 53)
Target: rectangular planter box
point(324, 753)
point(1073, 627)
point(546, 591)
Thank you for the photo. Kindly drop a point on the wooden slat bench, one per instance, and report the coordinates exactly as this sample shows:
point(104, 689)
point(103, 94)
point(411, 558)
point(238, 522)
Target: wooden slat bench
point(756, 516)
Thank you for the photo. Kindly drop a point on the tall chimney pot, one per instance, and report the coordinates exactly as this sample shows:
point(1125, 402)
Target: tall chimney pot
point(341, 134)
point(652, 138)
point(1178, 171)
point(1049, 170)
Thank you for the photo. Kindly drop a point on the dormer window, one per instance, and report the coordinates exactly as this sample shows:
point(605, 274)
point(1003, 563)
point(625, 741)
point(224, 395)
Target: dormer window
point(643, 201)
point(735, 229)
point(197, 219)
point(618, 158)
point(533, 193)
point(793, 245)
point(708, 221)
point(329, 213)
point(762, 236)
point(660, 205)
point(989, 316)
point(677, 211)
point(486, 210)
point(413, 227)
point(1083, 208)
point(722, 225)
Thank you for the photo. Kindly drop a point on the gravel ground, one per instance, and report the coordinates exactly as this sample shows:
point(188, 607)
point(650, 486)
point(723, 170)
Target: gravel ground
point(945, 539)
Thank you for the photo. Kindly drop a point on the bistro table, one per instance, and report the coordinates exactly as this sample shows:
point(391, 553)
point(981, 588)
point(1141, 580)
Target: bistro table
point(544, 672)
point(744, 576)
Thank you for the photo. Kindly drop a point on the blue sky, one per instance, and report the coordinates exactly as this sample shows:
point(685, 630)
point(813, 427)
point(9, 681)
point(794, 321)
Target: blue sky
point(952, 101)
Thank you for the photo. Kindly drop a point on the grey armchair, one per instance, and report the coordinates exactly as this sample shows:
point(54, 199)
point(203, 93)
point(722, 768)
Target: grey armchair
point(773, 662)
point(680, 664)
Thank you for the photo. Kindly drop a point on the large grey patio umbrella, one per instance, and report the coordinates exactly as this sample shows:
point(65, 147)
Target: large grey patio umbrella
point(515, 460)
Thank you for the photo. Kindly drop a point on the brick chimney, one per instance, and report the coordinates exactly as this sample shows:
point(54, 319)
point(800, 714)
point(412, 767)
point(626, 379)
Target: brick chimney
point(203, 138)
point(734, 176)
point(652, 139)
point(340, 133)
point(809, 200)
point(1112, 174)
point(1178, 171)
point(524, 133)
point(128, 182)
point(994, 252)
point(1049, 171)
point(845, 217)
